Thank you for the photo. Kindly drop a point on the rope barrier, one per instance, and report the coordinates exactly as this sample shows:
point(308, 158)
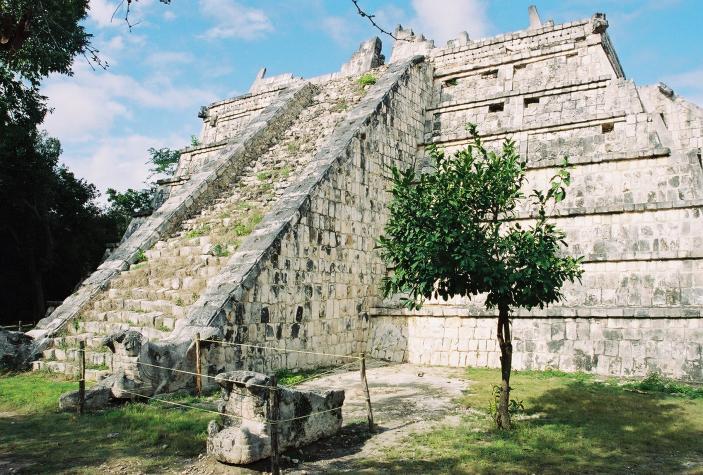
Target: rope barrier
point(277, 388)
point(283, 349)
point(234, 416)
point(317, 375)
point(190, 373)
point(311, 377)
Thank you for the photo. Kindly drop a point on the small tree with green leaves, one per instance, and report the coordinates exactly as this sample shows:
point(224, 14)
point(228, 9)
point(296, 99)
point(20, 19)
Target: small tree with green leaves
point(163, 161)
point(453, 232)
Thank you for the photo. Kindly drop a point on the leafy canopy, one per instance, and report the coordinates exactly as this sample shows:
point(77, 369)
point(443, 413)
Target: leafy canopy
point(453, 232)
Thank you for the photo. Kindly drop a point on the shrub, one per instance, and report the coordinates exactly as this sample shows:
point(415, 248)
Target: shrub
point(367, 79)
point(140, 257)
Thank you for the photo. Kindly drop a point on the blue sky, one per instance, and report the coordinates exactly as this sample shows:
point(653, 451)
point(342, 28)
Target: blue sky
point(193, 52)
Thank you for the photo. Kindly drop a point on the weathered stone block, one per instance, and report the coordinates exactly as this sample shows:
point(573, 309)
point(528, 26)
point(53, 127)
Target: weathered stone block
point(242, 435)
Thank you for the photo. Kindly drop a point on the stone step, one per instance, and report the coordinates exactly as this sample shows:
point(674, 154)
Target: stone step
point(180, 266)
point(156, 320)
point(109, 328)
point(183, 290)
point(67, 342)
point(71, 356)
point(159, 265)
point(168, 307)
point(69, 369)
point(61, 367)
point(186, 278)
point(178, 248)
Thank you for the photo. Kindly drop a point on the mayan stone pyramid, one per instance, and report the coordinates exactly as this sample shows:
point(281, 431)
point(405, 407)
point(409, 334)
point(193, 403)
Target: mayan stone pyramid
point(266, 234)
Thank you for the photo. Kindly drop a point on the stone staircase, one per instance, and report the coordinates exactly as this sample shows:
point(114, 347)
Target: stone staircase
point(152, 295)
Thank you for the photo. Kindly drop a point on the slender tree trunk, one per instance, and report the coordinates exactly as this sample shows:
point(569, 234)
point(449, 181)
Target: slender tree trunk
point(506, 361)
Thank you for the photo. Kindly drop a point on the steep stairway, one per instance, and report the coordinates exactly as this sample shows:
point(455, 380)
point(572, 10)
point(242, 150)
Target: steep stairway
point(152, 295)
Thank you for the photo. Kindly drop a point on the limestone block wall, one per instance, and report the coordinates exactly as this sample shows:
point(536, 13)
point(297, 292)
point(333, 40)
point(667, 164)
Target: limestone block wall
point(608, 346)
point(633, 210)
point(525, 111)
point(307, 275)
point(681, 118)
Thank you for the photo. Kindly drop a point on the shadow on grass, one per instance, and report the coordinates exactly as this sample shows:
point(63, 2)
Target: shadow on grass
point(148, 438)
point(348, 441)
point(577, 427)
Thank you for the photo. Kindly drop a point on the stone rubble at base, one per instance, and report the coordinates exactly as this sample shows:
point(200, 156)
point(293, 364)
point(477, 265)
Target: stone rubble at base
point(313, 158)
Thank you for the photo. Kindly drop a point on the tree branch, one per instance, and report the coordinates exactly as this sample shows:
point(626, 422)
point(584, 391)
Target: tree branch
point(363, 14)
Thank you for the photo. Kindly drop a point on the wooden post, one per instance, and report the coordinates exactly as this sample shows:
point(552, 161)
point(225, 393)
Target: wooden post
point(273, 417)
point(365, 387)
point(19, 326)
point(81, 375)
point(198, 378)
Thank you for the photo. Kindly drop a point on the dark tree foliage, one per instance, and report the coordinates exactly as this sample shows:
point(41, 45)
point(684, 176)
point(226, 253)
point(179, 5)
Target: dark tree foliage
point(51, 232)
point(123, 206)
point(38, 37)
point(453, 233)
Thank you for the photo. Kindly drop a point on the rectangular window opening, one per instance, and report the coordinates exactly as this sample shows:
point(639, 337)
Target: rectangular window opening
point(451, 82)
point(531, 100)
point(497, 107)
point(493, 73)
point(607, 128)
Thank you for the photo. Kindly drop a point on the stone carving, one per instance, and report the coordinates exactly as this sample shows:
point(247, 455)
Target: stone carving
point(244, 438)
point(409, 44)
point(599, 23)
point(665, 89)
point(131, 341)
point(535, 20)
point(367, 57)
point(16, 351)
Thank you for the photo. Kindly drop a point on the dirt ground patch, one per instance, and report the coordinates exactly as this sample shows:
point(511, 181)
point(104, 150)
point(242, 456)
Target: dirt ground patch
point(405, 399)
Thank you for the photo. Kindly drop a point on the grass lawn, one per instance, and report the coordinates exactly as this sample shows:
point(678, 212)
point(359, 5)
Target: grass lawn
point(37, 438)
point(572, 424)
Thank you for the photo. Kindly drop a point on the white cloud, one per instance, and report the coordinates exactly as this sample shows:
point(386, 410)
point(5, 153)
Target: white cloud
point(169, 15)
point(90, 102)
point(338, 29)
point(80, 110)
point(688, 85)
point(444, 21)
point(118, 161)
point(115, 162)
point(233, 20)
point(115, 44)
point(101, 12)
point(391, 16)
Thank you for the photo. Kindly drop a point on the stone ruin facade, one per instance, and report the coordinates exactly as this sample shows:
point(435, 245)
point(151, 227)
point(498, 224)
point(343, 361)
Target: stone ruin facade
point(267, 232)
